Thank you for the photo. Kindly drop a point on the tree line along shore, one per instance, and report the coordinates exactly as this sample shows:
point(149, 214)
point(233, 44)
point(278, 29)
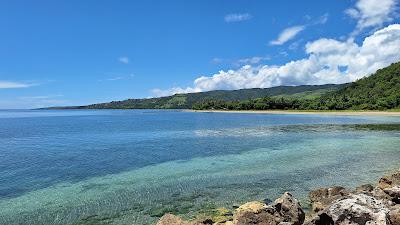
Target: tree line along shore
point(379, 91)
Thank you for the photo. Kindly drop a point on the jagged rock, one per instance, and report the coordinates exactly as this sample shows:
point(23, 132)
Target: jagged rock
point(285, 210)
point(289, 208)
point(394, 193)
point(354, 209)
point(255, 207)
point(254, 213)
point(322, 197)
point(334, 206)
point(320, 219)
point(380, 194)
point(394, 216)
point(169, 219)
point(389, 181)
point(365, 188)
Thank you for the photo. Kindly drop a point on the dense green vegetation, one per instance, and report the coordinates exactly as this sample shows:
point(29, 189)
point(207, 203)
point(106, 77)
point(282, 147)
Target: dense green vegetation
point(187, 101)
point(380, 91)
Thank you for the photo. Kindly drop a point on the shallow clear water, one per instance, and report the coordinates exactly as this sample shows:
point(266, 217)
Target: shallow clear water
point(130, 166)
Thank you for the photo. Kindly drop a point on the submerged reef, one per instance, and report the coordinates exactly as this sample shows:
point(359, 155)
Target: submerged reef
point(367, 205)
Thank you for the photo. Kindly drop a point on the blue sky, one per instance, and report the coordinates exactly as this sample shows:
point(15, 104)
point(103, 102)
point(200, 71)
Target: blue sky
point(81, 52)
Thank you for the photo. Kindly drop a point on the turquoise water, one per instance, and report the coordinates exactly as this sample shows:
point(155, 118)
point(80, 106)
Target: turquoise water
point(131, 166)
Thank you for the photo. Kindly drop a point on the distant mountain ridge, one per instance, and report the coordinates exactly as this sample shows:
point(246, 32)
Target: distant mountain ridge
point(379, 91)
point(187, 101)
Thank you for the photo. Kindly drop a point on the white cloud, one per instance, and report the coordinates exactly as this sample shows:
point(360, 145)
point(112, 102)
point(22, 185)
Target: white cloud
point(117, 77)
point(322, 19)
point(321, 66)
point(291, 32)
point(114, 78)
point(175, 90)
point(242, 61)
point(237, 17)
point(251, 60)
point(39, 97)
point(12, 84)
point(124, 60)
point(30, 102)
point(372, 13)
point(217, 60)
point(287, 34)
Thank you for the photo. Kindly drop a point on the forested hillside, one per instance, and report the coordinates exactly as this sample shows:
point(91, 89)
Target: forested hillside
point(380, 91)
point(187, 101)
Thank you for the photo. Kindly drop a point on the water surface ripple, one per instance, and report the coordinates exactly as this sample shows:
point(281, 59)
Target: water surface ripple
point(131, 166)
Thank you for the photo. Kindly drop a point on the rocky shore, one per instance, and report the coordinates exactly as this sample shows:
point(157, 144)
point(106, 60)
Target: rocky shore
point(367, 204)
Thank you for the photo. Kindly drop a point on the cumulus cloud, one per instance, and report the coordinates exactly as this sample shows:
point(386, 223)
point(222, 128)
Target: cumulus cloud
point(372, 13)
point(287, 34)
point(327, 61)
point(124, 60)
point(237, 17)
point(175, 90)
point(12, 84)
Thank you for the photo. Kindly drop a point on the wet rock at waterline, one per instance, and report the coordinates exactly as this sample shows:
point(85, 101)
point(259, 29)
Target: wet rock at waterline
point(322, 197)
point(285, 209)
point(366, 205)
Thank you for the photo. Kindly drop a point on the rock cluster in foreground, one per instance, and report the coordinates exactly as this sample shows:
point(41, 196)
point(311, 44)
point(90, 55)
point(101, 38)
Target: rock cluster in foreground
point(369, 205)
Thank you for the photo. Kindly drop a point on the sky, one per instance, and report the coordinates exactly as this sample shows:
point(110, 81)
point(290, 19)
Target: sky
point(74, 52)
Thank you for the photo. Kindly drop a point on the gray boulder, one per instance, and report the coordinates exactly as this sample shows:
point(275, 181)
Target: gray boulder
point(354, 209)
point(285, 210)
point(323, 197)
point(394, 216)
point(394, 193)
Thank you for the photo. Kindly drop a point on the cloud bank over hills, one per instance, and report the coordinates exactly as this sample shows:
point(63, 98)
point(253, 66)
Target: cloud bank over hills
point(328, 61)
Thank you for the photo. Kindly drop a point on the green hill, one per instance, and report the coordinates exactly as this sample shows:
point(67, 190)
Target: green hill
point(379, 91)
point(187, 101)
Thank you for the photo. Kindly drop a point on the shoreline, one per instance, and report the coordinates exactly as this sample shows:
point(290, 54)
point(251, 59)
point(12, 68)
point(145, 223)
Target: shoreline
point(300, 112)
point(376, 203)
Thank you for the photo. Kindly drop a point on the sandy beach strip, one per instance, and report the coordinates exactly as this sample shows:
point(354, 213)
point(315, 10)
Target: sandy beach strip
point(339, 113)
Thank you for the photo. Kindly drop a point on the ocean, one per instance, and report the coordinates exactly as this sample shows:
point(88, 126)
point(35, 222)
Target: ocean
point(132, 166)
